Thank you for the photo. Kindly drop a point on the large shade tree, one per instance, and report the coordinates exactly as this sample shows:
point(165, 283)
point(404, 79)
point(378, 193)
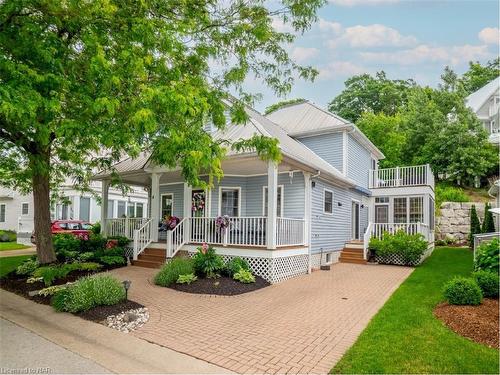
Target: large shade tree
point(83, 82)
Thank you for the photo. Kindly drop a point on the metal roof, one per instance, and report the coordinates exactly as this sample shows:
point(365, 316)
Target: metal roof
point(477, 99)
point(307, 119)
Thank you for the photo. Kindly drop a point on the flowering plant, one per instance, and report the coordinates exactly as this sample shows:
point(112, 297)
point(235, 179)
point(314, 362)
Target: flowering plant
point(171, 221)
point(198, 202)
point(111, 244)
point(222, 222)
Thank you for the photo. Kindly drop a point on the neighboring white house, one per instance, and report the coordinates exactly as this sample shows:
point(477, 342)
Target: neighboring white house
point(16, 209)
point(485, 102)
point(322, 203)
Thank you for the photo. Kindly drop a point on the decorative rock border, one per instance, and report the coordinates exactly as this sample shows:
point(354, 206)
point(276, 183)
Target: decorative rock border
point(128, 320)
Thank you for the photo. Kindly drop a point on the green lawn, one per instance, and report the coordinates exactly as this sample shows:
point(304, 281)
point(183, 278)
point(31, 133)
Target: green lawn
point(405, 337)
point(11, 246)
point(8, 264)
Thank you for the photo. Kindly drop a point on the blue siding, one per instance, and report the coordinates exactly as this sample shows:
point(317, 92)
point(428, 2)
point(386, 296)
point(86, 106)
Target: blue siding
point(358, 162)
point(327, 146)
point(178, 191)
point(331, 231)
point(229, 182)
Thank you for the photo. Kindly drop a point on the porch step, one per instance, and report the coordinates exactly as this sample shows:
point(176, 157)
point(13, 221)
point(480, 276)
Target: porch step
point(146, 263)
point(152, 258)
point(155, 251)
point(352, 253)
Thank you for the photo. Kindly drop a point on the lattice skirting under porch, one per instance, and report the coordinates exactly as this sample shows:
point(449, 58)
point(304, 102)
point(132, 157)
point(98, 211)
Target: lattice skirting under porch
point(274, 270)
point(398, 259)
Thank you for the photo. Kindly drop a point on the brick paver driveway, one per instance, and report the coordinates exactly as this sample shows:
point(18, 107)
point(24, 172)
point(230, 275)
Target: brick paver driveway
point(302, 325)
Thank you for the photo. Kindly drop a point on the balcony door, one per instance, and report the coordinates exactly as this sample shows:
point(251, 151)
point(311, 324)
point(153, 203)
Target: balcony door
point(355, 220)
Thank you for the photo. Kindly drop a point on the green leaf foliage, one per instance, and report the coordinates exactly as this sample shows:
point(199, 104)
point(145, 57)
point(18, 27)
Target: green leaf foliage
point(462, 291)
point(488, 225)
point(475, 225)
point(236, 264)
point(244, 276)
point(282, 104)
point(170, 272)
point(488, 282)
point(186, 279)
point(207, 262)
point(487, 256)
point(409, 247)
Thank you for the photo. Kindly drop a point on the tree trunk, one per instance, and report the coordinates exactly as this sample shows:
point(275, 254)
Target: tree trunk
point(41, 198)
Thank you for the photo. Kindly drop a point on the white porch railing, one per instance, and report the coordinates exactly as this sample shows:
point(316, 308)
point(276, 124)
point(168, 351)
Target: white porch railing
point(124, 226)
point(416, 175)
point(289, 232)
point(176, 238)
point(142, 238)
point(366, 239)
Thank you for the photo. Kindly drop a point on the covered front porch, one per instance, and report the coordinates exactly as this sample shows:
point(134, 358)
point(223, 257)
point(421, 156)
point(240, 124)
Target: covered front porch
point(257, 205)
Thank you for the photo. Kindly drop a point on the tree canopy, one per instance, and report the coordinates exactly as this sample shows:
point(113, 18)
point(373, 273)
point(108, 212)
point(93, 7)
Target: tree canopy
point(83, 82)
point(281, 104)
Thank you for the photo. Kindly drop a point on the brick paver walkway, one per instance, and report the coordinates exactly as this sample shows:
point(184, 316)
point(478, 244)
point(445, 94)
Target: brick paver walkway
point(303, 325)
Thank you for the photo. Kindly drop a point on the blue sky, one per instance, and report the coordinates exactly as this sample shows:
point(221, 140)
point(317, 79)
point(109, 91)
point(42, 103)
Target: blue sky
point(405, 38)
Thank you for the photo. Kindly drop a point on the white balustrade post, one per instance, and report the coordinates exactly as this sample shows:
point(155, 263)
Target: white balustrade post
point(224, 236)
point(136, 244)
point(155, 205)
point(127, 226)
point(307, 214)
point(104, 207)
point(169, 243)
point(272, 203)
point(397, 176)
point(187, 210)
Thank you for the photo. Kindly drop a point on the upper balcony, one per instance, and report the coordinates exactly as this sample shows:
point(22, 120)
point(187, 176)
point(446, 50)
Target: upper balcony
point(416, 175)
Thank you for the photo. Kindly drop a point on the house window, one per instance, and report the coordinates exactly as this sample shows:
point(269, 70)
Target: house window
point(84, 208)
point(416, 209)
point(139, 210)
point(431, 213)
point(130, 209)
point(382, 200)
point(400, 210)
point(121, 208)
point(230, 201)
point(62, 212)
point(111, 206)
point(374, 164)
point(2, 213)
point(279, 210)
point(167, 205)
point(24, 208)
point(328, 202)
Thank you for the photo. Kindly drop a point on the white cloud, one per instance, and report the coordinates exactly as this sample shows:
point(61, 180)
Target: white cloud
point(282, 27)
point(340, 69)
point(489, 35)
point(352, 3)
point(375, 35)
point(302, 54)
point(423, 53)
point(329, 26)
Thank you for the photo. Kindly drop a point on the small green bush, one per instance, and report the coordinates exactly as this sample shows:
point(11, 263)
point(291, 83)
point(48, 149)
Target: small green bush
point(236, 264)
point(7, 236)
point(51, 290)
point(244, 276)
point(462, 291)
point(27, 267)
point(84, 257)
point(89, 292)
point(487, 256)
point(207, 262)
point(410, 247)
point(122, 241)
point(96, 228)
point(95, 242)
point(475, 226)
point(112, 260)
point(51, 273)
point(65, 242)
point(186, 279)
point(447, 193)
point(171, 271)
point(488, 282)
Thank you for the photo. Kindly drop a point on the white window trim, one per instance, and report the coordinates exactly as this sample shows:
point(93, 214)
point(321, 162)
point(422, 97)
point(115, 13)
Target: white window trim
point(359, 216)
point(324, 197)
point(5, 212)
point(22, 204)
point(282, 187)
point(161, 200)
point(90, 207)
point(220, 198)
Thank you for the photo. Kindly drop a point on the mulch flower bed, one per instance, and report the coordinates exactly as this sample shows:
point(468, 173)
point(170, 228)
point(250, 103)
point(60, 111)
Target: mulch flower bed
point(478, 323)
point(222, 286)
point(100, 313)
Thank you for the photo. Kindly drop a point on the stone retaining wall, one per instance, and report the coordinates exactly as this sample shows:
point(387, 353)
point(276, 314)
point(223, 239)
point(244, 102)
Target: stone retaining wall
point(454, 220)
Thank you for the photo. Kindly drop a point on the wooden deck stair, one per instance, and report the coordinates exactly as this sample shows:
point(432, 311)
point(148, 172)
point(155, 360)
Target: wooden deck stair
point(352, 253)
point(151, 258)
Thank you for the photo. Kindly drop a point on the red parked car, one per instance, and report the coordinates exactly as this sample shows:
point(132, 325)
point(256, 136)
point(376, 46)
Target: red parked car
point(78, 228)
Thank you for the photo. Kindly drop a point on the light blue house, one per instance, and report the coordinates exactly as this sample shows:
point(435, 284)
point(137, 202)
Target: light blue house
point(321, 204)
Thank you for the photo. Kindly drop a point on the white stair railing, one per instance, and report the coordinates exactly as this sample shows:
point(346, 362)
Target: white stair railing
point(176, 238)
point(142, 238)
point(125, 226)
point(366, 240)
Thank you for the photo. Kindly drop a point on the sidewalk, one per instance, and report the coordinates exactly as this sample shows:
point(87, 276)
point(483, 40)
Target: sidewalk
point(115, 351)
point(14, 253)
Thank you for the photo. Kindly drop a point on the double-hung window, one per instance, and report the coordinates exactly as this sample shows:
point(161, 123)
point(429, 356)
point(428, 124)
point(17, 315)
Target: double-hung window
point(167, 205)
point(416, 209)
point(25, 207)
point(328, 202)
point(400, 210)
point(230, 201)
point(2, 213)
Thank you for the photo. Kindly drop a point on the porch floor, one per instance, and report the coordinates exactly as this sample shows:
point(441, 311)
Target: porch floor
point(303, 325)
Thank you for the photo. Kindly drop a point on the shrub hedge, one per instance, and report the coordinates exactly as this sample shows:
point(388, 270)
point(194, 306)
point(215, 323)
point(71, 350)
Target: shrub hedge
point(488, 282)
point(408, 247)
point(487, 256)
point(171, 271)
point(462, 291)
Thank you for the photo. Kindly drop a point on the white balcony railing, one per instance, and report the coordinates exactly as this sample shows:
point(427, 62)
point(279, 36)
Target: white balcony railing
point(289, 232)
point(416, 175)
point(124, 226)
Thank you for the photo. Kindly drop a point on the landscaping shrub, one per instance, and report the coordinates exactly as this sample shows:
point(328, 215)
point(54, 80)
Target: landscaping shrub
point(487, 256)
point(89, 292)
point(51, 273)
point(51, 290)
point(95, 242)
point(462, 291)
point(96, 228)
point(85, 257)
point(122, 241)
point(408, 247)
point(447, 193)
point(65, 242)
point(171, 271)
point(8, 236)
point(488, 282)
point(475, 225)
point(236, 264)
point(27, 267)
point(244, 276)
point(112, 260)
point(186, 279)
point(488, 223)
point(207, 262)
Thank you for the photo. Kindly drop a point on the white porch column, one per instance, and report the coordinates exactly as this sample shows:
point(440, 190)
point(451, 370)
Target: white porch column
point(104, 206)
point(187, 211)
point(272, 203)
point(307, 215)
point(155, 204)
